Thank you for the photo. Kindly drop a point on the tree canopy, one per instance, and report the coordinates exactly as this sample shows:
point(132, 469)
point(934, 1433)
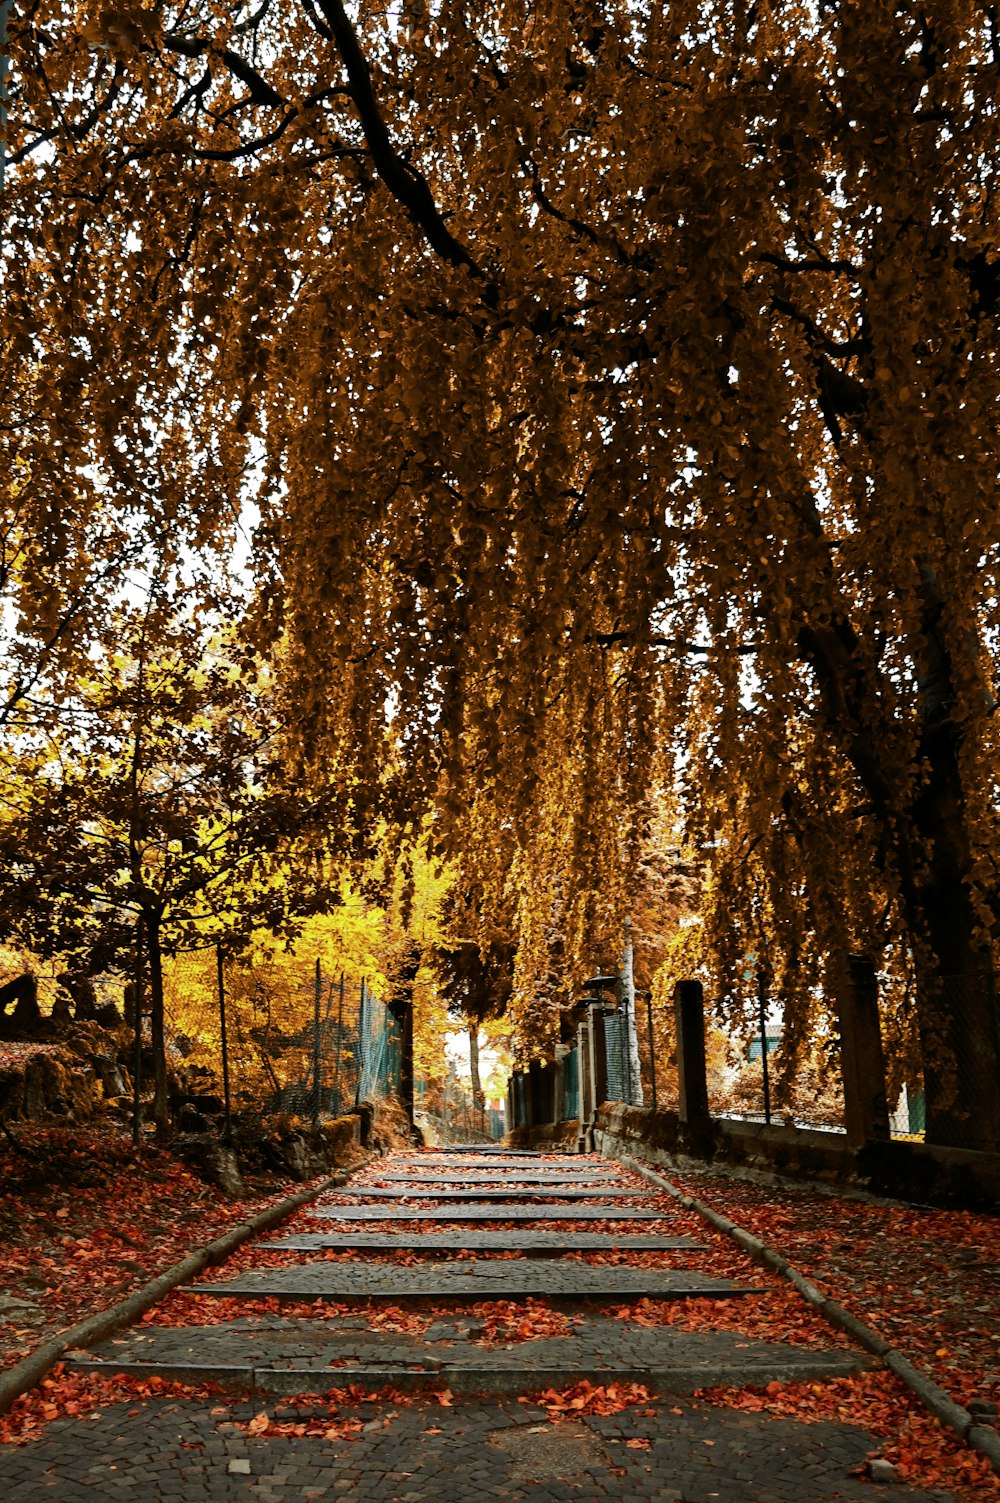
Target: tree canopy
point(617, 386)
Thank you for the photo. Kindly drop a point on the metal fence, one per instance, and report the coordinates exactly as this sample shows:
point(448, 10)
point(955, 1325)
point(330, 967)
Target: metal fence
point(449, 1109)
point(268, 1039)
point(741, 1082)
point(860, 1069)
point(622, 1084)
point(546, 1092)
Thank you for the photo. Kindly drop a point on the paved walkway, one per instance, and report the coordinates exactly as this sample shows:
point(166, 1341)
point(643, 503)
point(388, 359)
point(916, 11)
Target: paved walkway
point(449, 1425)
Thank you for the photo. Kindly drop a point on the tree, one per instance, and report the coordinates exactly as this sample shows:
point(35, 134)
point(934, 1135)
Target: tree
point(475, 973)
point(631, 377)
point(157, 802)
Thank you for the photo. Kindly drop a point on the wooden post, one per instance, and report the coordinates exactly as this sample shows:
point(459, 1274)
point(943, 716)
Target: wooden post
point(692, 1080)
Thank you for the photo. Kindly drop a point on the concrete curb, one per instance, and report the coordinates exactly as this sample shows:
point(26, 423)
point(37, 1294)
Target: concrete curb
point(33, 1368)
point(982, 1438)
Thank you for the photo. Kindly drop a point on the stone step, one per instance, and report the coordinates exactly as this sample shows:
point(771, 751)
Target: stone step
point(513, 1178)
point(482, 1211)
point(469, 1279)
point(486, 1149)
point(424, 1162)
point(558, 1244)
point(499, 1192)
point(285, 1357)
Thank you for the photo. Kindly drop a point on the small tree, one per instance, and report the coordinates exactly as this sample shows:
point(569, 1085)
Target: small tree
point(476, 975)
point(157, 801)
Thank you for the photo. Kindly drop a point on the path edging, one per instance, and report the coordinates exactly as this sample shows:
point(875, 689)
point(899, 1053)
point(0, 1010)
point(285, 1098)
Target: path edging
point(32, 1369)
point(982, 1438)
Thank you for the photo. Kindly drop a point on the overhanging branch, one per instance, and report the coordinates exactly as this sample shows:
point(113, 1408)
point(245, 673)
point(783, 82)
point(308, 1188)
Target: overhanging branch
point(408, 186)
point(674, 644)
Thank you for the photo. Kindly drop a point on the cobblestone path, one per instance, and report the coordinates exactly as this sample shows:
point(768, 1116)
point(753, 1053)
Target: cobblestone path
point(446, 1313)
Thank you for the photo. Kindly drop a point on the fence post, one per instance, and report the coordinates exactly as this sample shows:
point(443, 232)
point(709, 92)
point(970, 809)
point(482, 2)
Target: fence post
point(317, 987)
point(692, 1081)
point(599, 1044)
point(765, 1076)
point(531, 1093)
point(227, 1119)
point(582, 1084)
point(340, 1046)
point(652, 1048)
point(137, 1053)
point(404, 1018)
point(595, 1059)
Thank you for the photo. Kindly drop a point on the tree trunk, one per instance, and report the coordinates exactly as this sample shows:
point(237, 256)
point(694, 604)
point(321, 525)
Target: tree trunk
point(478, 1099)
point(956, 1001)
point(934, 867)
point(161, 1104)
point(634, 1063)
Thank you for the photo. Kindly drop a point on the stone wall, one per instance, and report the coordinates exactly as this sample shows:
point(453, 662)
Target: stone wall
point(39, 1083)
point(561, 1137)
point(907, 1171)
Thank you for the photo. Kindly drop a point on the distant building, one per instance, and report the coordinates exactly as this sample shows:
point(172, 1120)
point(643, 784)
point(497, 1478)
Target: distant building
point(755, 1049)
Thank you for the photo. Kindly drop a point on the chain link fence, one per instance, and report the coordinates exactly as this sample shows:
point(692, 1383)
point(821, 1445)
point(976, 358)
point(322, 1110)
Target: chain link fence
point(267, 1039)
point(446, 1109)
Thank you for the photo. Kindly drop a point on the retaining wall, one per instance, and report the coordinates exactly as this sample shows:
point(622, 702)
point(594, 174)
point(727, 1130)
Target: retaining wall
point(907, 1171)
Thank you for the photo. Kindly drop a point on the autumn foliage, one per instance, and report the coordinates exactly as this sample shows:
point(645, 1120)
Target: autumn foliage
point(616, 391)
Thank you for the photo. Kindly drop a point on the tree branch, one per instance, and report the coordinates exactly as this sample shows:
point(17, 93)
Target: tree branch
point(675, 644)
point(261, 92)
point(408, 186)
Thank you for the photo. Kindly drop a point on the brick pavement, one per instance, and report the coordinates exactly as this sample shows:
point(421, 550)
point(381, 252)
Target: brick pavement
point(176, 1450)
point(478, 1444)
